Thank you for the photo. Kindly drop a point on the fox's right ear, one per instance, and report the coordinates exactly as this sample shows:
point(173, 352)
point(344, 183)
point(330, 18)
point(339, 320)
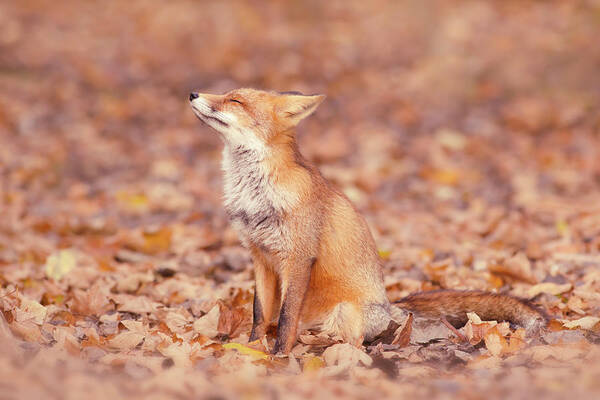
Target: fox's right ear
point(293, 108)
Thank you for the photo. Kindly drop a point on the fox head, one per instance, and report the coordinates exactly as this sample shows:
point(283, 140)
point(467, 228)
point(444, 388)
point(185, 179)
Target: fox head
point(253, 118)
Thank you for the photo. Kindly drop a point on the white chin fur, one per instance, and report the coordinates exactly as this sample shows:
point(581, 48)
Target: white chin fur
point(232, 133)
point(203, 110)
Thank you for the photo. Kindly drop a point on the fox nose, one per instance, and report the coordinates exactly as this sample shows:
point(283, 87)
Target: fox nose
point(193, 96)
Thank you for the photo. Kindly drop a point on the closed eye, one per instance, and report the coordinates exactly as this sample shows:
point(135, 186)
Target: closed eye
point(235, 101)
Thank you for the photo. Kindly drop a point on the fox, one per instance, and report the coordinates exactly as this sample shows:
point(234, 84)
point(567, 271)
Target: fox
point(316, 265)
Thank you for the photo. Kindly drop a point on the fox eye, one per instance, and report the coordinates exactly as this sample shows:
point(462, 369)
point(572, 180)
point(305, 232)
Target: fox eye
point(235, 101)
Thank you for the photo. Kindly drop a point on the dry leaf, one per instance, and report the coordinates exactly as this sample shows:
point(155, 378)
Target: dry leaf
point(583, 323)
point(403, 337)
point(495, 342)
point(179, 352)
point(344, 355)
point(134, 326)
point(245, 350)
point(135, 304)
point(550, 288)
point(32, 309)
point(92, 301)
point(312, 364)
point(321, 339)
point(230, 319)
point(60, 263)
point(517, 268)
point(176, 322)
point(207, 325)
point(27, 330)
point(125, 340)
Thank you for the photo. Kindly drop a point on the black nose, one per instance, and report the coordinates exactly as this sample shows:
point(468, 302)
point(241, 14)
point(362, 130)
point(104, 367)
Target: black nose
point(193, 96)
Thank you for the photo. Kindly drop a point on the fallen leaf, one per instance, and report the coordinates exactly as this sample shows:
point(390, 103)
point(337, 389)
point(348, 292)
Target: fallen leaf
point(587, 323)
point(345, 355)
point(495, 342)
point(134, 326)
point(135, 304)
point(92, 301)
point(230, 319)
point(403, 337)
point(133, 202)
point(33, 310)
point(179, 352)
point(313, 364)
point(27, 330)
point(321, 339)
point(550, 288)
point(60, 263)
point(245, 350)
point(476, 329)
point(157, 241)
point(176, 322)
point(125, 340)
point(517, 268)
point(384, 254)
point(208, 324)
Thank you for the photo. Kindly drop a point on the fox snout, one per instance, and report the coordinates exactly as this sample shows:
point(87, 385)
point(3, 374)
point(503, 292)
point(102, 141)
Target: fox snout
point(205, 109)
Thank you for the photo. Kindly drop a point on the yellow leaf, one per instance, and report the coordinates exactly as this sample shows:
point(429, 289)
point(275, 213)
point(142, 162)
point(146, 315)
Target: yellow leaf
point(156, 242)
point(313, 364)
point(444, 176)
point(562, 227)
point(384, 254)
point(133, 202)
point(245, 350)
point(60, 263)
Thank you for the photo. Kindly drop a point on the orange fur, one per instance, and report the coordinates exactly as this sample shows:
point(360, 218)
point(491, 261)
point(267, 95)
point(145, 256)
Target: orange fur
point(316, 263)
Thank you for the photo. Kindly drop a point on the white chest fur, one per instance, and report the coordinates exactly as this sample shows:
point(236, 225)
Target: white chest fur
point(252, 200)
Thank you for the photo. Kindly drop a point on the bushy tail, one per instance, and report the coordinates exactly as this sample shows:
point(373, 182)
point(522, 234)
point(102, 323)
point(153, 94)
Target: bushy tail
point(455, 304)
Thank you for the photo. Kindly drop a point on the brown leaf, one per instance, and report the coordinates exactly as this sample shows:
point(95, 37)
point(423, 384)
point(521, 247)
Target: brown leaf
point(125, 340)
point(230, 319)
point(93, 301)
point(135, 304)
point(516, 268)
point(403, 337)
point(388, 335)
point(495, 342)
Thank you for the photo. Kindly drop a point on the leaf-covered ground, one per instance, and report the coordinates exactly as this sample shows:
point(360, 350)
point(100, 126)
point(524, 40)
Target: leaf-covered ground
point(466, 132)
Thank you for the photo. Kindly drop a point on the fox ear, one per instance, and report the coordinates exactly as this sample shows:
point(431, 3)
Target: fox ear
point(293, 108)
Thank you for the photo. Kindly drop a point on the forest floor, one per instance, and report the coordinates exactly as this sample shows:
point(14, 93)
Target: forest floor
point(467, 133)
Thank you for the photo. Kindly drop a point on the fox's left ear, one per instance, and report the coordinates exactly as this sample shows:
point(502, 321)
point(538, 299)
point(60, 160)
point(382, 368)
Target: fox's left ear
point(293, 108)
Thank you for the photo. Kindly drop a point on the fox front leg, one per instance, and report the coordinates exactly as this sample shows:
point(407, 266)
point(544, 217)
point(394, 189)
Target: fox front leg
point(265, 297)
point(294, 285)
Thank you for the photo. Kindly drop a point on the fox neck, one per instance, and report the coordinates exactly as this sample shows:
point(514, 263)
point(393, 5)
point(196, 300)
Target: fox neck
point(255, 182)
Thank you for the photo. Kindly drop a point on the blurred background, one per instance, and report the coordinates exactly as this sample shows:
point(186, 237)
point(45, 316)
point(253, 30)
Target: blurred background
point(439, 101)
point(465, 131)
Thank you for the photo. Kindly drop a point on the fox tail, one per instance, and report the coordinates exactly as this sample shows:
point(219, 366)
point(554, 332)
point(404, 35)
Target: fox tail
point(455, 304)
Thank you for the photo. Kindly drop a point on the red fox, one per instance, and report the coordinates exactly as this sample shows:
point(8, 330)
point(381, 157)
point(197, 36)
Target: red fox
point(315, 261)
